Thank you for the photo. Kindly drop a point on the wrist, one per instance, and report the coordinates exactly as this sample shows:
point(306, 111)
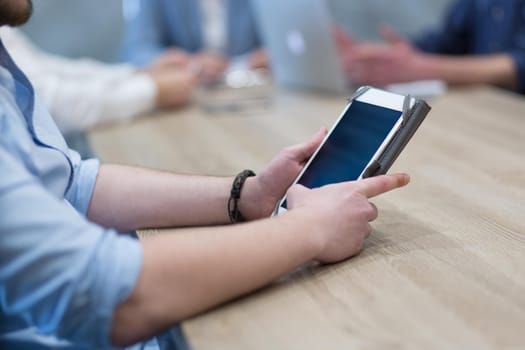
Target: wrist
point(254, 204)
point(161, 100)
point(430, 66)
point(311, 229)
point(237, 188)
point(423, 67)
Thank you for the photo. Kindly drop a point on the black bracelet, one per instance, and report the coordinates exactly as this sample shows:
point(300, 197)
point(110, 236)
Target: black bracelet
point(235, 194)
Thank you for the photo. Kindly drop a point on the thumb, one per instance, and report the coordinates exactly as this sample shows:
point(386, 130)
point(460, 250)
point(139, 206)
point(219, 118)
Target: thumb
point(311, 145)
point(294, 193)
point(295, 196)
point(303, 151)
point(391, 35)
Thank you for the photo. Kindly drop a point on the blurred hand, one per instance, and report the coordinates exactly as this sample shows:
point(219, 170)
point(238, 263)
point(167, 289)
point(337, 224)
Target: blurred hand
point(171, 58)
point(394, 61)
point(209, 66)
point(174, 86)
point(262, 192)
point(258, 59)
point(340, 214)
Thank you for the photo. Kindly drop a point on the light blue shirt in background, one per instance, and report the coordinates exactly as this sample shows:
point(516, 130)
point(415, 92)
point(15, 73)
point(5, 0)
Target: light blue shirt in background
point(61, 276)
point(152, 26)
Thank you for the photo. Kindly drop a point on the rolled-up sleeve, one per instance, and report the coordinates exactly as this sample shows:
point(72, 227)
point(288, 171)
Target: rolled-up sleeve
point(59, 273)
point(454, 36)
point(83, 181)
point(518, 56)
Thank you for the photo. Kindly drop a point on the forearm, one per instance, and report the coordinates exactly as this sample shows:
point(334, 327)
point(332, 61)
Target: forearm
point(497, 70)
point(128, 198)
point(192, 270)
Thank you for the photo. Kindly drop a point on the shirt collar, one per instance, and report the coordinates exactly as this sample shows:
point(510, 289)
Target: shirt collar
point(24, 93)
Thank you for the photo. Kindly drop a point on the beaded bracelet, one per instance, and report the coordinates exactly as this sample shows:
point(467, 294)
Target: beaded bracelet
point(235, 195)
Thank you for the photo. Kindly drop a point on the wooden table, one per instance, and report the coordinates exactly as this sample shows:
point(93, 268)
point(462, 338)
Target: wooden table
point(445, 266)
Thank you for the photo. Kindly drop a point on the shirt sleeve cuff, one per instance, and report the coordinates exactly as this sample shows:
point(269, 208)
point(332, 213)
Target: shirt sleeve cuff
point(127, 257)
point(113, 272)
point(143, 83)
point(86, 174)
point(519, 60)
point(134, 97)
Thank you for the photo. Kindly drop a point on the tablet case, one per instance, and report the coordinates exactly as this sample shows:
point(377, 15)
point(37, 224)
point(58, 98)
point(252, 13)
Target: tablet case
point(412, 119)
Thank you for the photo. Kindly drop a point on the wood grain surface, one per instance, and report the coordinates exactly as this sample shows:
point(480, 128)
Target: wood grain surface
point(445, 265)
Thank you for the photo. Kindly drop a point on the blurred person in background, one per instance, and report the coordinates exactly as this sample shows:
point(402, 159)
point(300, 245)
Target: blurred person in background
point(82, 93)
point(480, 42)
point(211, 34)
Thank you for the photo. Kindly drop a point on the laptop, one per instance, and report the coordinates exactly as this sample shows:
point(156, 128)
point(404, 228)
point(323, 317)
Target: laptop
point(298, 37)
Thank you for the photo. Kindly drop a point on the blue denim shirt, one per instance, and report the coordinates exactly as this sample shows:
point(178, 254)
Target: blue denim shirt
point(152, 26)
point(61, 276)
point(482, 27)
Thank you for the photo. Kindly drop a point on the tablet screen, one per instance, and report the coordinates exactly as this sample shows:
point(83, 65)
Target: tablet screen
point(351, 145)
